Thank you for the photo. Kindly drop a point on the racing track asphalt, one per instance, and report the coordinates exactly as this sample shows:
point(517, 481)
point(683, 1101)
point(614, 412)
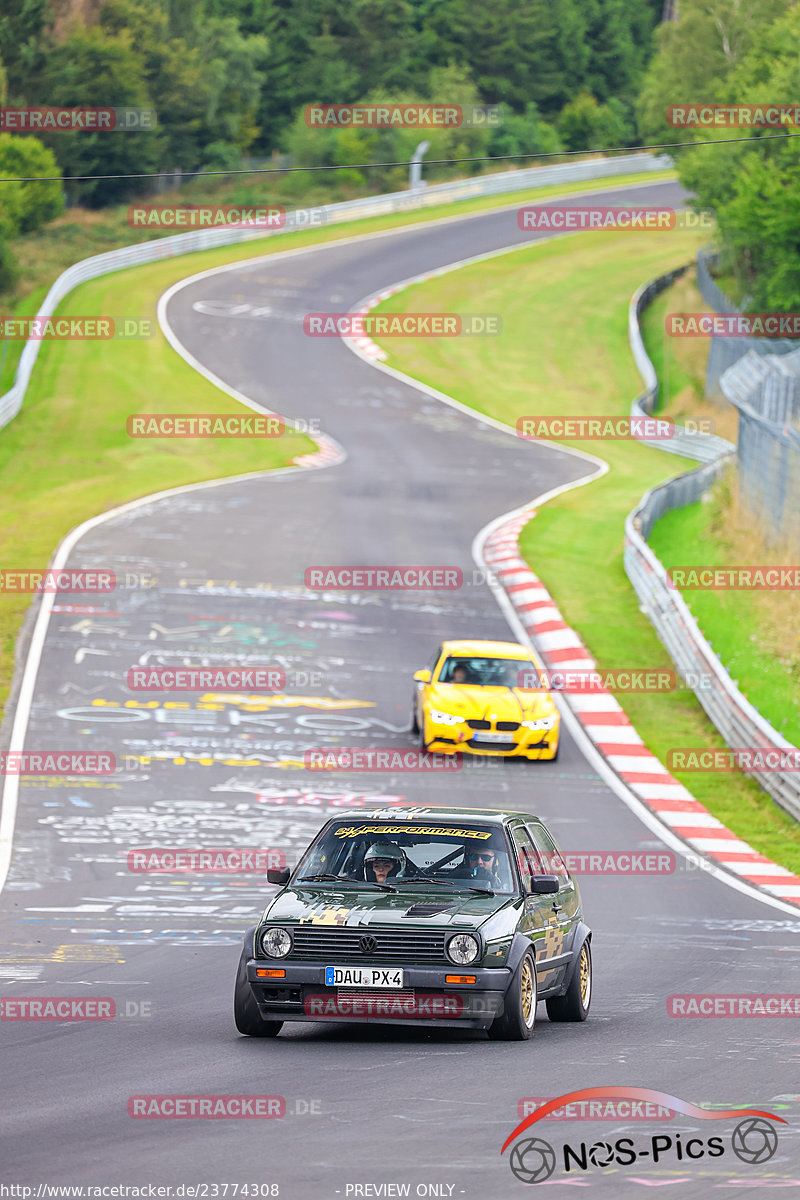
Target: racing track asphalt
point(419, 481)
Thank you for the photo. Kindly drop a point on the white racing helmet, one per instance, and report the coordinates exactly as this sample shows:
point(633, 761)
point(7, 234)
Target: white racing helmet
point(389, 851)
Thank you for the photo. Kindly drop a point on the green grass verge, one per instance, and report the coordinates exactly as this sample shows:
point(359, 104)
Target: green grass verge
point(731, 620)
point(66, 456)
point(564, 349)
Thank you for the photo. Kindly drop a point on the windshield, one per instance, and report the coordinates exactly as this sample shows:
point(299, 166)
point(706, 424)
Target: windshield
point(489, 672)
point(426, 853)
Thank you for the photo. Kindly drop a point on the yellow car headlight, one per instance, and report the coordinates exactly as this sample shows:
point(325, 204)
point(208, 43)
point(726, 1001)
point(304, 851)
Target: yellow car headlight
point(443, 718)
point(540, 723)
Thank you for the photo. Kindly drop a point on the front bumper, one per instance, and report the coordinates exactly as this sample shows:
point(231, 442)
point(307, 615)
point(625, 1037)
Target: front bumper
point(426, 999)
point(520, 743)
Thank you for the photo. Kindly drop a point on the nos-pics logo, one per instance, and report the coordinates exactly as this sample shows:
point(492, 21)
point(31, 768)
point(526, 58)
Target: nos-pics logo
point(754, 1140)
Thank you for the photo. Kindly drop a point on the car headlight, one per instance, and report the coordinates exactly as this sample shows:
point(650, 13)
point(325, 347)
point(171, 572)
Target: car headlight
point(445, 718)
point(276, 942)
point(463, 949)
point(540, 723)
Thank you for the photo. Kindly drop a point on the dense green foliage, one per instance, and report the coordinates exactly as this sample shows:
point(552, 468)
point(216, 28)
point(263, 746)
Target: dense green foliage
point(731, 52)
point(233, 76)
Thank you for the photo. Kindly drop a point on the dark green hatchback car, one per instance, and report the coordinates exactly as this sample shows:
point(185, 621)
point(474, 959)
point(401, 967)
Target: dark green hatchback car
point(420, 916)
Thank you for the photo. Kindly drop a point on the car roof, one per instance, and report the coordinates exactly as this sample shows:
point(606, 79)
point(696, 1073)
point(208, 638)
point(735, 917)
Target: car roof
point(496, 649)
point(443, 816)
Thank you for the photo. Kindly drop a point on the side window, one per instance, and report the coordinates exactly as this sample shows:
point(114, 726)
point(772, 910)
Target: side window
point(553, 858)
point(526, 855)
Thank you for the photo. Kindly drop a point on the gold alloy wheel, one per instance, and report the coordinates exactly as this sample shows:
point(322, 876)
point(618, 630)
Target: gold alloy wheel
point(526, 987)
point(586, 976)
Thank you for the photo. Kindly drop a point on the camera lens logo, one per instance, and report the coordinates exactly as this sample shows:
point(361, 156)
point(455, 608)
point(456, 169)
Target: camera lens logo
point(601, 1154)
point(754, 1140)
point(533, 1160)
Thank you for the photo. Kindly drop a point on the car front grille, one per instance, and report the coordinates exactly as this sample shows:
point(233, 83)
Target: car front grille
point(500, 726)
point(345, 945)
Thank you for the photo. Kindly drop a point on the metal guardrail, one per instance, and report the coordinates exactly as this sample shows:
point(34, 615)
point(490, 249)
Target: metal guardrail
point(346, 210)
point(690, 443)
point(740, 724)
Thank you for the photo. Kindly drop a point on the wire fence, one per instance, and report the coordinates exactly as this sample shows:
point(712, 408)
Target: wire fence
point(739, 722)
point(725, 351)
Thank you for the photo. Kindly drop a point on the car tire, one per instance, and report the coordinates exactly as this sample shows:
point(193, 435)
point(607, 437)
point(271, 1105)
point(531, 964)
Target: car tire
point(245, 1010)
point(423, 745)
point(574, 1004)
point(518, 1018)
point(414, 722)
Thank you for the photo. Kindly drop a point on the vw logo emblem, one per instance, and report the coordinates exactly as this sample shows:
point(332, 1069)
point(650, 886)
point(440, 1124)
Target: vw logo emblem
point(754, 1140)
point(368, 944)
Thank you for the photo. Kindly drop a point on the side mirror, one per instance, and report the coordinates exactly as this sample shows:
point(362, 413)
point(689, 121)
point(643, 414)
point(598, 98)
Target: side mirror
point(422, 676)
point(281, 877)
point(544, 885)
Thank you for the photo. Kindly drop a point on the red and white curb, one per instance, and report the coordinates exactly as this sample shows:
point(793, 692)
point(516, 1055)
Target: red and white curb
point(328, 453)
point(363, 343)
point(608, 728)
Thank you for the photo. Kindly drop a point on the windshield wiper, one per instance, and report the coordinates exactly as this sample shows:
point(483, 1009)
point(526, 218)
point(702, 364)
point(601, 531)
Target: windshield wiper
point(424, 879)
point(385, 887)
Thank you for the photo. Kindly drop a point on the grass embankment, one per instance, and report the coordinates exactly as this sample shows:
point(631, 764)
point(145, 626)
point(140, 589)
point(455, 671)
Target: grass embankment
point(574, 292)
point(66, 456)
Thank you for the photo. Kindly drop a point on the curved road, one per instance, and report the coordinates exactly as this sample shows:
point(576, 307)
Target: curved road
point(365, 1105)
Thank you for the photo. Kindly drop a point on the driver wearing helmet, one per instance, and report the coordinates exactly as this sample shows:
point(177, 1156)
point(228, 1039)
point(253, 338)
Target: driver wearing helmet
point(383, 860)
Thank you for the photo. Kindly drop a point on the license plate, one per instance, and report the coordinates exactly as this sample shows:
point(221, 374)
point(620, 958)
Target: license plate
point(369, 977)
point(493, 737)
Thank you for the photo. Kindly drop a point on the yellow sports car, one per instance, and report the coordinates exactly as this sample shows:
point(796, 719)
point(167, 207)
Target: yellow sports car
point(485, 698)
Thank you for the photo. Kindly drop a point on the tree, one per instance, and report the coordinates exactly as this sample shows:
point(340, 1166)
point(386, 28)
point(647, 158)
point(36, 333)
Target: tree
point(25, 207)
point(524, 133)
point(753, 187)
point(586, 125)
point(695, 57)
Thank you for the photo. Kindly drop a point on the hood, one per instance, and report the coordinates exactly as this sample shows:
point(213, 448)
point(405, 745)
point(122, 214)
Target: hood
point(490, 703)
point(325, 904)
